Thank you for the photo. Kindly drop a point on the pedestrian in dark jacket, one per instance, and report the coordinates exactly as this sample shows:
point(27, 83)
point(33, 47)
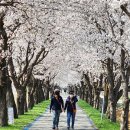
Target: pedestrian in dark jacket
point(70, 105)
point(57, 106)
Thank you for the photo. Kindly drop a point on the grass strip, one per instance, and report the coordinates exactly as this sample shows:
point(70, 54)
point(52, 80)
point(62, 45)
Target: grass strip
point(95, 115)
point(28, 117)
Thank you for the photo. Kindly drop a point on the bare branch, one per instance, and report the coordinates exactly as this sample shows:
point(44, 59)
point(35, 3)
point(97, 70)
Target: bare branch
point(123, 7)
point(12, 71)
point(112, 29)
point(43, 56)
point(30, 68)
point(11, 3)
point(26, 63)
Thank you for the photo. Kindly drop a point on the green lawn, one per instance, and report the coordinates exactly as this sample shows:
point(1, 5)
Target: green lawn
point(95, 115)
point(28, 117)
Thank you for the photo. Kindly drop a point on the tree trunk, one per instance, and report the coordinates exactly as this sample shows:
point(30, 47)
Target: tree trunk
point(25, 103)
point(96, 94)
point(20, 100)
point(36, 96)
point(113, 111)
point(105, 102)
point(106, 93)
point(125, 76)
point(3, 71)
point(98, 100)
point(124, 115)
point(86, 95)
point(10, 98)
point(31, 90)
point(3, 108)
point(3, 89)
point(42, 97)
point(83, 96)
point(81, 90)
point(111, 90)
point(47, 94)
point(100, 87)
point(40, 92)
point(46, 91)
point(89, 87)
point(31, 96)
point(80, 93)
point(31, 101)
point(90, 95)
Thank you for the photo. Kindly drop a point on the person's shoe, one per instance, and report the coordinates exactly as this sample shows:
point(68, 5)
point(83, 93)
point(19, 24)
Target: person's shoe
point(68, 128)
point(53, 128)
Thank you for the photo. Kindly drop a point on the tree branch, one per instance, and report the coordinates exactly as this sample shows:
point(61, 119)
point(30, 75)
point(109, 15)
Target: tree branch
point(11, 3)
point(12, 71)
point(112, 29)
point(30, 68)
point(26, 63)
point(123, 7)
point(43, 56)
point(118, 84)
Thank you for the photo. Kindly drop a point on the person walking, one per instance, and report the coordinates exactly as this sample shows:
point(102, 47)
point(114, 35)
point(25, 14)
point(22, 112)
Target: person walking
point(57, 106)
point(70, 105)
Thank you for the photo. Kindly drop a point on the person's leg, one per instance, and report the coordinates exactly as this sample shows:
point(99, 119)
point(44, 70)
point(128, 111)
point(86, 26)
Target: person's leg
point(73, 119)
point(54, 119)
point(57, 119)
point(68, 119)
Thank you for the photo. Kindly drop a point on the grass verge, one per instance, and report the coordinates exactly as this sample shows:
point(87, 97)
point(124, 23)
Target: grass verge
point(28, 117)
point(95, 115)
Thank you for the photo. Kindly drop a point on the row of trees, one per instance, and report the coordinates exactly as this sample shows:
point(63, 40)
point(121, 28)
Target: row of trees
point(108, 67)
point(114, 83)
point(22, 50)
point(50, 38)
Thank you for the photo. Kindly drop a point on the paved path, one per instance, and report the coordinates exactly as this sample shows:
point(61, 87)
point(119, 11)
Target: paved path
point(44, 122)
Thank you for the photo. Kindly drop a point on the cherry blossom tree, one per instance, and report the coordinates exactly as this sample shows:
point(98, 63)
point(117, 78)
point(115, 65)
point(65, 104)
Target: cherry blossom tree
point(54, 42)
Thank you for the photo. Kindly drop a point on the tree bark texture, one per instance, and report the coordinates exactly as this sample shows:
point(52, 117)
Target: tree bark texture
point(125, 77)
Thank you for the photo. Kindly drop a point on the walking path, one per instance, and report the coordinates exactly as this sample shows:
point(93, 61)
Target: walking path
point(44, 122)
